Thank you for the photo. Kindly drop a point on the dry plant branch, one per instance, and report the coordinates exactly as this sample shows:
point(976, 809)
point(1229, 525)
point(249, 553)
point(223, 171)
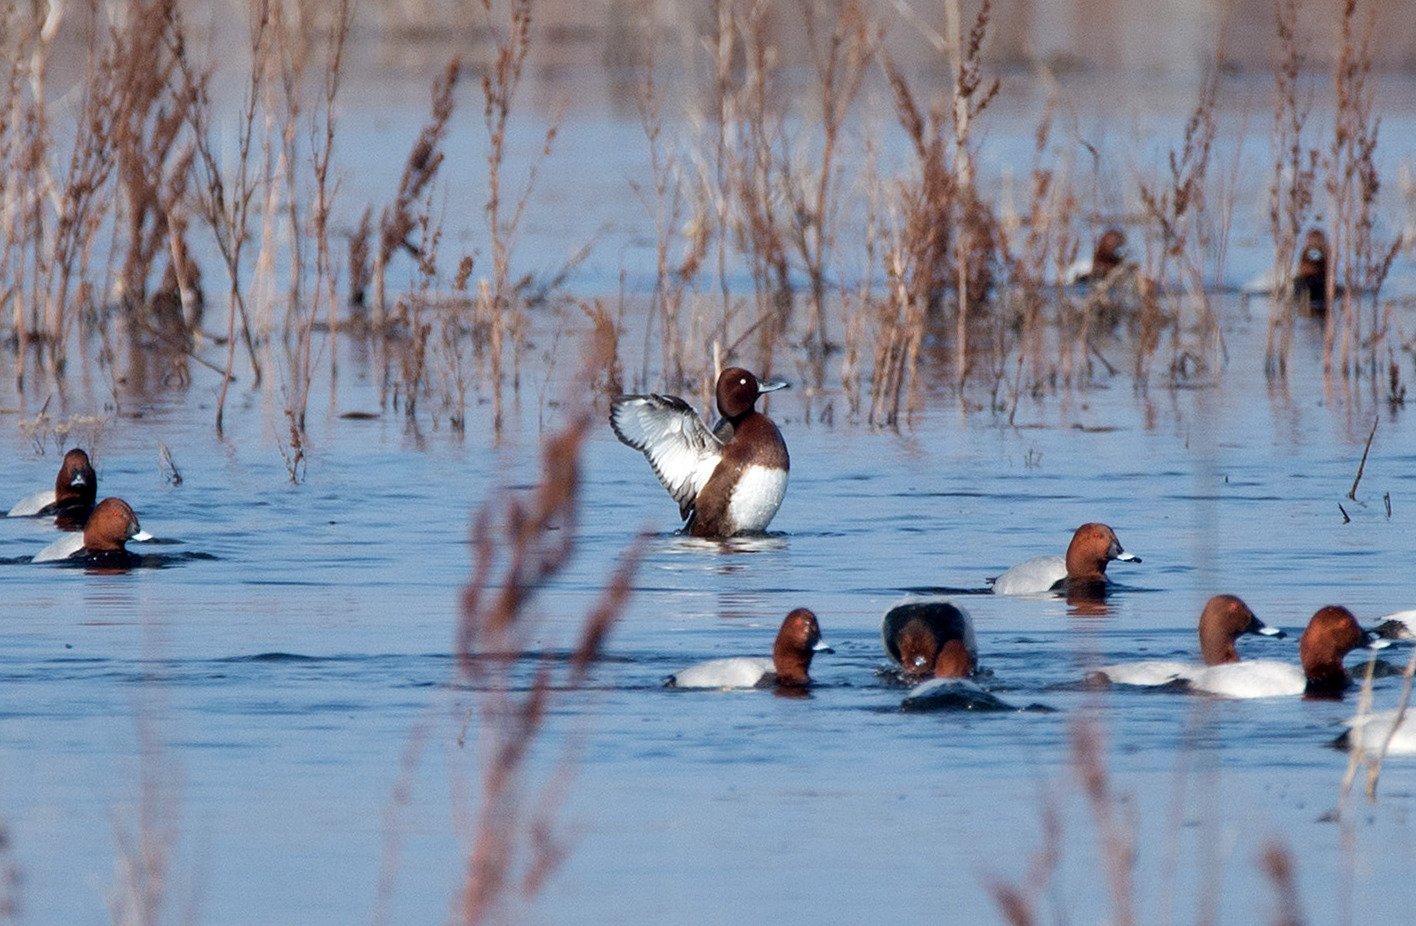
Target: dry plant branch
point(519, 546)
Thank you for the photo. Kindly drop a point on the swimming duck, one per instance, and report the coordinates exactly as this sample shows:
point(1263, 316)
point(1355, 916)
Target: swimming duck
point(72, 497)
point(111, 525)
point(1083, 569)
point(797, 641)
point(727, 481)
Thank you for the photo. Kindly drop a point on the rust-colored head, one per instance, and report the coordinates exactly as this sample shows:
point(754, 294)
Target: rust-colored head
point(77, 483)
point(111, 525)
point(1092, 547)
point(930, 637)
point(1331, 634)
point(1225, 619)
point(738, 390)
point(797, 641)
point(1110, 253)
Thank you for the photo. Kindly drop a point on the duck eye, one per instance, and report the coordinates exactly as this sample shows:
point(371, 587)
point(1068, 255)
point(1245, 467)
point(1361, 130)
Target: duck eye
point(742, 382)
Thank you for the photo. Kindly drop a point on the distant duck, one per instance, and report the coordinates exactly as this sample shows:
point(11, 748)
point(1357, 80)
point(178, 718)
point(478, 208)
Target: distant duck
point(72, 497)
point(1081, 570)
point(103, 542)
point(1309, 281)
point(727, 481)
point(930, 637)
point(1110, 253)
point(797, 641)
point(1400, 625)
point(1223, 621)
point(1368, 733)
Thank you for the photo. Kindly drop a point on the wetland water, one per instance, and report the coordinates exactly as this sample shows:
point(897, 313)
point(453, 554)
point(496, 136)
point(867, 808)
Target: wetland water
point(278, 687)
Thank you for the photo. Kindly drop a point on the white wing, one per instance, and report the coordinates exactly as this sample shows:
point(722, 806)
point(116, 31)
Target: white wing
point(679, 446)
point(31, 504)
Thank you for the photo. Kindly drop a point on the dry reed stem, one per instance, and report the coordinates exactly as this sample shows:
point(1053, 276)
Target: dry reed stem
point(1277, 862)
point(1291, 190)
point(1115, 831)
point(519, 546)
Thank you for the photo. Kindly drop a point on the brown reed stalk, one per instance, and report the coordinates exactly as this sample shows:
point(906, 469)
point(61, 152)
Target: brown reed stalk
point(1358, 259)
point(1291, 189)
point(951, 233)
point(839, 59)
point(519, 546)
point(1177, 211)
point(399, 218)
point(152, 166)
point(322, 135)
point(667, 207)
point(976, 239)
point(499, 310)
point(1278, 864)
point(1115, 830)
point(226, 200)
point(1018, 901)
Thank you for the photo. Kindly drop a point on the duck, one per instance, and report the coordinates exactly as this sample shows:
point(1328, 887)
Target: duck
point(930, 637)
point(1309, 282)
point(72, 497)
point(797, 641)
point(1331, 634)
point(111, 525)
point(1223, 620)
point(729, 480)
point(1366, 733)
point(1109, 254)
point(1083, 569)
point(1399, 625)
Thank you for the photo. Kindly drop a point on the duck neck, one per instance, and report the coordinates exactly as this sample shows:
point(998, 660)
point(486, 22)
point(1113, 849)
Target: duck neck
point(1217, 648)
point(791, 665)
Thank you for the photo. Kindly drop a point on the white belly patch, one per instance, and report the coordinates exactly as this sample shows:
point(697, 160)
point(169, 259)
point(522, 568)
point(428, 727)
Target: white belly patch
point(756, 497)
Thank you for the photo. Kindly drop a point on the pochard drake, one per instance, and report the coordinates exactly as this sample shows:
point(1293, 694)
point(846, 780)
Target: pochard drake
point(1109, 254)
point(1331, 634)
point(930, 637)
point(727, 481)
point(1223, 621)
point(797, 641)
point(72, 497)
point(1083, 569)
point(111, 525)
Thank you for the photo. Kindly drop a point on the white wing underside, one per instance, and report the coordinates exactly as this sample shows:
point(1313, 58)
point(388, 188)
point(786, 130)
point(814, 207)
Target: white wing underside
point(31, 504)
point(678, 445)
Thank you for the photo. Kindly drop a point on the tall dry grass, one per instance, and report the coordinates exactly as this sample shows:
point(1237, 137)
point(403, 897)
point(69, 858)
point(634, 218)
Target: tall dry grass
point(518, 546)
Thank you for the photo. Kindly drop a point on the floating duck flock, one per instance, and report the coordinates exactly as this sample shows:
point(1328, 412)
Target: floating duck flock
point(731, 479)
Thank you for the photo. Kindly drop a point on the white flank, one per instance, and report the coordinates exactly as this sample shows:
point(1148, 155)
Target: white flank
point(756, 497)
point(30, 505)
point(63, 548)
point(1031, 577)
point(734, 672)
point(1149, 672)
point(1368, 732)
point(1260, 678)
